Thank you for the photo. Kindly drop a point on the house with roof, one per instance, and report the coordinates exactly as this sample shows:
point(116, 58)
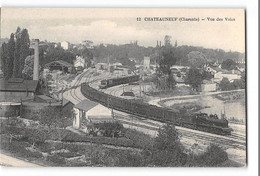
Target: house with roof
point(212, 68)
point(208, 86)
point(122, 70)
point(220, 73)
point(65, 45)
point(67, 108)
point(15, 89)
point(91, 112)
point(230, 75)
point(59, 65)
point(79, 62)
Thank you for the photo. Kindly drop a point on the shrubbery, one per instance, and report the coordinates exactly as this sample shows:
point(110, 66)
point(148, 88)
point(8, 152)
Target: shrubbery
point(125, 158)
point(56, 159)
point(165, 150)
point(213, 156)
point(140, 139)
point(226, 85)
point(109, 129)
point(19, 148)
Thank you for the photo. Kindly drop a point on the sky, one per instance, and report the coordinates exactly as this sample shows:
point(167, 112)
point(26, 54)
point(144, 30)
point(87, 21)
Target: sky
point(120, 26)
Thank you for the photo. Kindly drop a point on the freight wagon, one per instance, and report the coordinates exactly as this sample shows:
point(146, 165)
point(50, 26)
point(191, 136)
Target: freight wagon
point(117, 81)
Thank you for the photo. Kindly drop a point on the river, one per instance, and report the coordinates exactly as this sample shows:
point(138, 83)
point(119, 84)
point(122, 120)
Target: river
point(232, 109)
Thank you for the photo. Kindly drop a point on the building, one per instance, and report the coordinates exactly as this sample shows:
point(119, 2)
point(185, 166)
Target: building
point(99, 114)
point(122, 70)
point(102, 66)
point(59, 65)
point(88, 44)
point(92, 112)
point(212, 69)
point(67, 108)
point(65, 45)
point(79, 62)
point(147, 63)
point(117, 64)
point(208, 87)
point(16, 89)
point(230, 76)
point(80, 110)
point(219, 73)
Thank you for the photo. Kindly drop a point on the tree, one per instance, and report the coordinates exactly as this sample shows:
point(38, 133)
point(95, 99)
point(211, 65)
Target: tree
point(25, 51)
point(127, 62)
point(197, 59)
point(28, 67)
point(10, 56)
point(22, 45)
point(5, 61)
point(176, 44)
point(50, 116)
point(88, 55)
point(228, 64)
point(36, 136)
point(243, 79)
point(167, 150)
point(238, 84)
point(58, 53)
point(225, 84)
point(167, 59)
point(194, 78)
point(213, 156)
point(67, 117)
point(16, 61)
point(167, 40)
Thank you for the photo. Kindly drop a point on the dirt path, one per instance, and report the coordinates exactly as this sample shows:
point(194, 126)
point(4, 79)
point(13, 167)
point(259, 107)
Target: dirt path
point(6, 160)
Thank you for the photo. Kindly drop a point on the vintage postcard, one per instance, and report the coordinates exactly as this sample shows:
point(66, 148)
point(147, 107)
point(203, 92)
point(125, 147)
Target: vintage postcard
point(123, 87)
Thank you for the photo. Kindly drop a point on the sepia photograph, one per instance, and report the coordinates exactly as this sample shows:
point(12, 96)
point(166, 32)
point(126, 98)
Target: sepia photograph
point(123, 87)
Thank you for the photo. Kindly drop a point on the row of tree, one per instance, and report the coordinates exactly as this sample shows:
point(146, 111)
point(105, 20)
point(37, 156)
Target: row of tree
point(185, 55)
point(14, 52)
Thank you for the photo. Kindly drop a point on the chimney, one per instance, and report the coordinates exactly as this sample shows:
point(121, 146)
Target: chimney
point(160, 44)
point(157, 43)
point(36, 60)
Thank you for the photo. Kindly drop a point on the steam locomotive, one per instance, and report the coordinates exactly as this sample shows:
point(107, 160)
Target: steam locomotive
point(199, 121)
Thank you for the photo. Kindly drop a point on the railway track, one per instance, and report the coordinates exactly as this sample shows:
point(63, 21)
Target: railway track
point(234, 140)
point(77, 83)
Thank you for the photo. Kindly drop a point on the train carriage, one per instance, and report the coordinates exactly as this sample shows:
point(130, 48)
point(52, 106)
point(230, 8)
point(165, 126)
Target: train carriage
point(117, 81)
point(200, 121)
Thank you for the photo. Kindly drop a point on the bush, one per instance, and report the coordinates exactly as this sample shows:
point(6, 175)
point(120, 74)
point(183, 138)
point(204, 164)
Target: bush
point(68, 155)
point(56, 159)
point(46, 147)
point(123, 158)
point(110, 129)
point(30, 154)
point(73, 137)
point(36, 136)
point(18, 148)
point(139, 139)
point(213, 156)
